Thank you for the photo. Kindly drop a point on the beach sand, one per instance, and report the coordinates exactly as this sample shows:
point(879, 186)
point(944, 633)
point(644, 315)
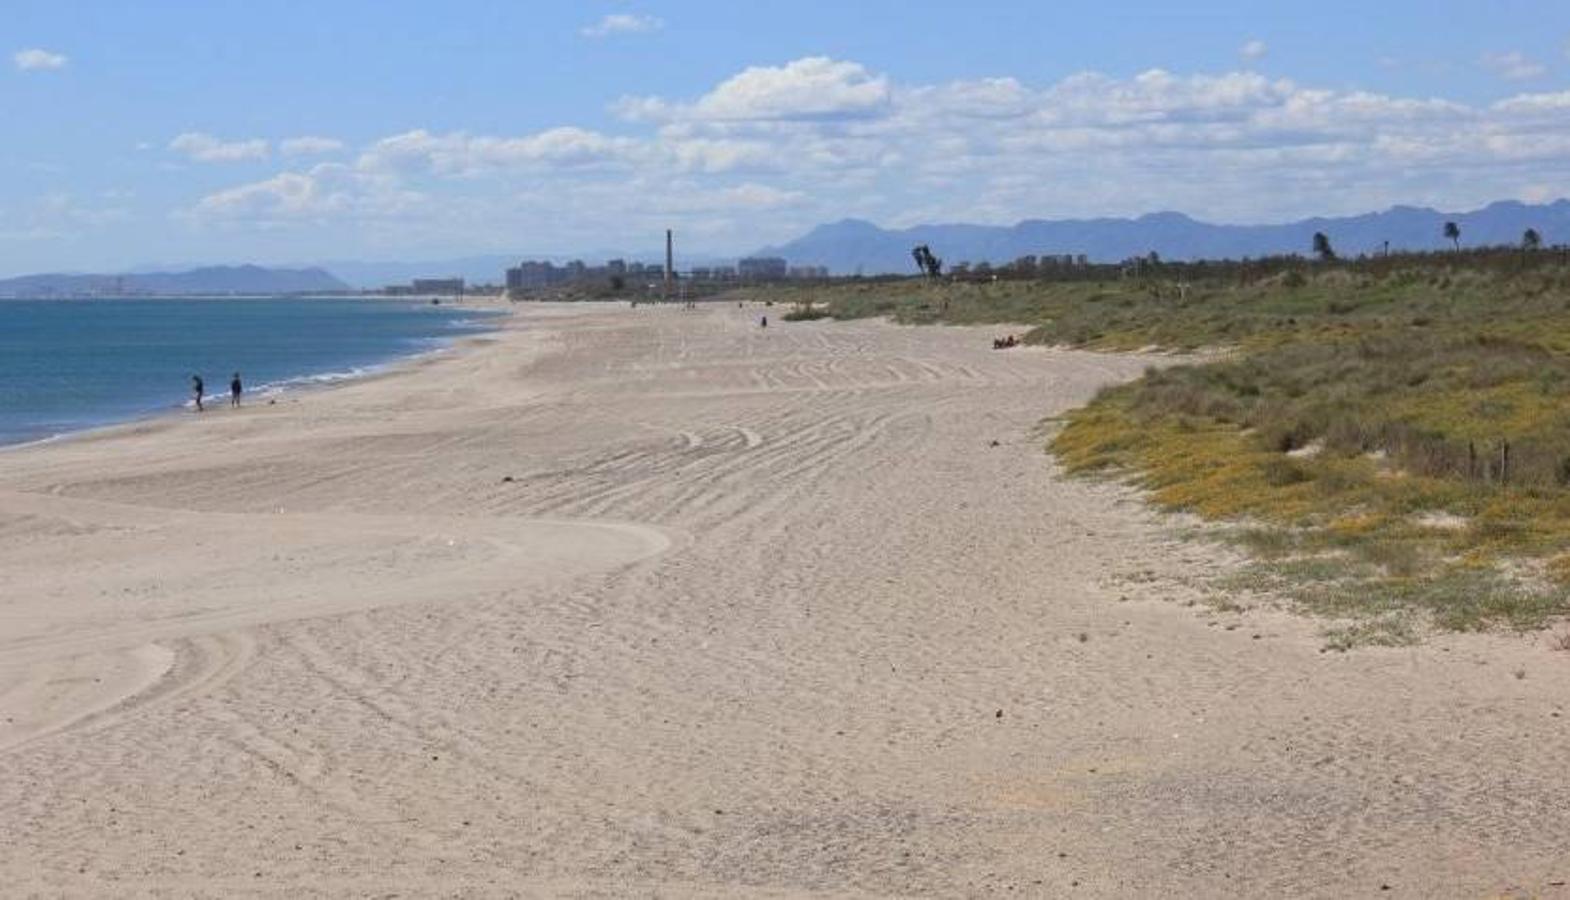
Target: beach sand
point(655, 602)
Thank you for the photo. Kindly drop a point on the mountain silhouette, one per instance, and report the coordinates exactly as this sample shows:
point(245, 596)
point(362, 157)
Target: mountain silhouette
point(208, 280)
point(855, 245)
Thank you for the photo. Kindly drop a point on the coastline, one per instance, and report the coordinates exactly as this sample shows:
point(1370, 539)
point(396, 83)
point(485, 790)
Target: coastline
point(658, 601)
point(274, 390)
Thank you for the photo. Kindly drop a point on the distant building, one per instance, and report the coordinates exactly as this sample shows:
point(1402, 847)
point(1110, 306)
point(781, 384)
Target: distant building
point(809, 272)
point(530, 274)
point(1064, 261)
point(441, 286)
point(762, 268)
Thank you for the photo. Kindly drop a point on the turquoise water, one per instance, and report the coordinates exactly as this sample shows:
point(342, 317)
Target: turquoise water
point(66, 365)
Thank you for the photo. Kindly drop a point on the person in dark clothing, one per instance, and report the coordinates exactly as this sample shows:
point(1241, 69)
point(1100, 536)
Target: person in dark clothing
point(235, 389)
point(197, 391)
point(764, 322)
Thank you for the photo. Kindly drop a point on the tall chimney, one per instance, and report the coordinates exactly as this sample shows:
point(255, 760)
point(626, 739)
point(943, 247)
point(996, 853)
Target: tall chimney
point(670, 268)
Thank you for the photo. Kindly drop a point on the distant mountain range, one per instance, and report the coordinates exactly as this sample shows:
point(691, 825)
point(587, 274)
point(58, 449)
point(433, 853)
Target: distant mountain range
point(208, 280)
point(853, 245)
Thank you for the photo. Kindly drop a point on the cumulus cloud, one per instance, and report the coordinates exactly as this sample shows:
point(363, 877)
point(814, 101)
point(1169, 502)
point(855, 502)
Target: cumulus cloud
point(1514, 66)
point(815, 87)
point(309, 145)
point(1253, 51)
point(622, 23)
point(327, 190)
point(773, 149)
point(34, 59)
point(201, 147)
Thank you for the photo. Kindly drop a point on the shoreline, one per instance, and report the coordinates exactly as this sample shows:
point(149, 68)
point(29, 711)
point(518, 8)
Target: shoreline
point(271, 391)
point(669, 602)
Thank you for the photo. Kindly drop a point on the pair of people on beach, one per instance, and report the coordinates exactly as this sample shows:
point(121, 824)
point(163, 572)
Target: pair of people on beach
point(198, 390)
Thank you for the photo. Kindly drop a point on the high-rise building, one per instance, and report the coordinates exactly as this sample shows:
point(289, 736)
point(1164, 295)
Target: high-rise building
point(762, 268)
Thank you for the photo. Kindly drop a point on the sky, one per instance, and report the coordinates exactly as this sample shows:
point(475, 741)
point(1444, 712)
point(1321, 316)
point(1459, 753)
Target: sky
point(135, 135)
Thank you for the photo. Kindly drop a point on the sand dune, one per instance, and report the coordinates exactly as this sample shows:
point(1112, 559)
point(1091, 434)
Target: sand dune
point(655, 602)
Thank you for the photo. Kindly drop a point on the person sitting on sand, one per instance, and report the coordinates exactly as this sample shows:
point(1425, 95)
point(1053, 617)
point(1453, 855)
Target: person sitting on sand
point(197, 391)
point(235, 388)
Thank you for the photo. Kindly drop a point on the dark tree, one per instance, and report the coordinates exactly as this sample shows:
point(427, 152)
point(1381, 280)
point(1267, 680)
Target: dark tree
point(1453, 234)
point(930, 265)
point(1531, 240)
point(1322, 248)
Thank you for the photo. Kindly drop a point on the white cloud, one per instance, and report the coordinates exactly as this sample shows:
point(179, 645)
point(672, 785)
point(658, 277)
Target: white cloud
point(771, 150)
point(462, 154)
point(326, 190)
point(35, 59)
point(1253, 51)
point(309, 145)
point(1514, 66)
point(622, 23)
point(202, 147)
point(815, 87)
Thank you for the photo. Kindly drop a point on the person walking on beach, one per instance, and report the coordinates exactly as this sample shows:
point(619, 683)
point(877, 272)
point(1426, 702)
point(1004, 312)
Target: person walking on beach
point(763, 322)
point(235, 388)
point(197, 390)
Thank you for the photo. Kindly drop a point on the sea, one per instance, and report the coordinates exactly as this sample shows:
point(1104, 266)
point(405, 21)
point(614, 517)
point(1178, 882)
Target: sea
point(71, 365)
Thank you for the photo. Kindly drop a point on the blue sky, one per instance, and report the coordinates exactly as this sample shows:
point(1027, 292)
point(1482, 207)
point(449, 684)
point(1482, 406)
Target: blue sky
point(281, 132)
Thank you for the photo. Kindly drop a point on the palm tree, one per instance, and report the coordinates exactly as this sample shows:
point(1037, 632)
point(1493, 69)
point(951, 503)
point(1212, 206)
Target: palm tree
point(1322, 247)
point(1531, 240)
point(1453, 234)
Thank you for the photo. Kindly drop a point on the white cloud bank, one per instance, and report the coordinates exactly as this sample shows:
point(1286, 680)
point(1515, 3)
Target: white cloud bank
point(773, 149)
point(201, 147)
point(1253, 51)
point(34, 59)
point(622, 23)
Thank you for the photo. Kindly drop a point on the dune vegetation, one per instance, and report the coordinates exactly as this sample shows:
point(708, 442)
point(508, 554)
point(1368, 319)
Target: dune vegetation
point(1389, 438)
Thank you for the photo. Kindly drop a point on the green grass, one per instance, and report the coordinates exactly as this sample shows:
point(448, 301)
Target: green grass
point(1391, 443)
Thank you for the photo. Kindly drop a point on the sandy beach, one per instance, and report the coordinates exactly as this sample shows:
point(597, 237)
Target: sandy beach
point(655, 602)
